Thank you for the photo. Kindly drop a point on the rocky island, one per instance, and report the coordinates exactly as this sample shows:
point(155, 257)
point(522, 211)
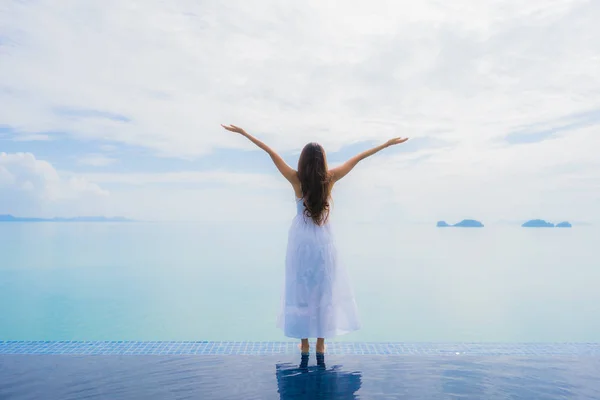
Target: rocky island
point(537, 223)
point(540, 223)
point(465, 223)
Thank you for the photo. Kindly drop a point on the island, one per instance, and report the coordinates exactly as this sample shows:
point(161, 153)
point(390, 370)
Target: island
point(465, 223)
point(469, 223)
point(10, 218)
point(537, 223)
point(564, 224)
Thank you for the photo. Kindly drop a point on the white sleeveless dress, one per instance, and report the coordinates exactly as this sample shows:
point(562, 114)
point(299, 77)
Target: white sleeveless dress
point(317, 300)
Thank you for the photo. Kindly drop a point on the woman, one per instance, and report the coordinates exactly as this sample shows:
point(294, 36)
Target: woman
point(317, 300)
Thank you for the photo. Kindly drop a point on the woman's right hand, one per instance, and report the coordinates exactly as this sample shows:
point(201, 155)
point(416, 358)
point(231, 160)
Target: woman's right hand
point(233, 128)
point(395, 141)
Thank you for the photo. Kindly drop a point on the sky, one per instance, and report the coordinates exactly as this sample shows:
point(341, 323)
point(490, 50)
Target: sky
point(113, 107)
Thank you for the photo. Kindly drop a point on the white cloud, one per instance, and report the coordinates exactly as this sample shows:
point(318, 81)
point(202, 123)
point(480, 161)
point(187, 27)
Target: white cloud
point(295, 72)
point(108, 147)
point(192, 195)
point(96, 160)
point(226, 205)
point(542, 180)
point(189, 177)
point(163, 75)
point(29, 186)
point(6, 178)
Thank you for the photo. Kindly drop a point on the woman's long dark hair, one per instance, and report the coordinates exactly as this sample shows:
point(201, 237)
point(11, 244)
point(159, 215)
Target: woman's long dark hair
point(316, 182)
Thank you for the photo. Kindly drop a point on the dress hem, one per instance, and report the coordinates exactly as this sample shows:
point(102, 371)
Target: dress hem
point(328, 335)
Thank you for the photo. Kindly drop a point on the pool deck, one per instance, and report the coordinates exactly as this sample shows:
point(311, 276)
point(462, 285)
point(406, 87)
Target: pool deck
point(274, 348)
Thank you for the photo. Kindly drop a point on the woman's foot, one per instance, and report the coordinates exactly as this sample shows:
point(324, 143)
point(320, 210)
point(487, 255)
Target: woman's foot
point(304, 346)
point(321, 347)
point(320, 360)
point(304, 362)
point(321, 350)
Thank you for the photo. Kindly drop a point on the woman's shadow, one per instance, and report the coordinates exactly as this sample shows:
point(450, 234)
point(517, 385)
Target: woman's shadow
point(316, 381)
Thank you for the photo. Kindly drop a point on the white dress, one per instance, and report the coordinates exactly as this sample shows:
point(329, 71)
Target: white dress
point(317, 300)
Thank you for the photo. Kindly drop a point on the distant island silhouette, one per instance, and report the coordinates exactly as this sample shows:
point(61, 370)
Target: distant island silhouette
point(540, 223)
point(465, 223)
point(537, 223)
point(10, 218)
point(564, 224)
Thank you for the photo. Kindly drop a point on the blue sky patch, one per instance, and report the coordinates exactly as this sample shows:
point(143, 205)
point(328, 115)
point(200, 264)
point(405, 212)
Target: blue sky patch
point(529, 137)
point(534, 133)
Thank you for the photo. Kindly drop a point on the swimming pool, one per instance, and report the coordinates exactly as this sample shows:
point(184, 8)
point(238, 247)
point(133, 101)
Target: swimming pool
point(287, 376)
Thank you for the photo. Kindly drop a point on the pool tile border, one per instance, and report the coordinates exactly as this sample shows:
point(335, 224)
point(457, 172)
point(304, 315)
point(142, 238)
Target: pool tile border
point(274, 348)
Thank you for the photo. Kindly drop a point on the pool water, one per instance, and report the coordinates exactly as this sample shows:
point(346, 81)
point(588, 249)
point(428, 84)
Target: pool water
point(289, 377)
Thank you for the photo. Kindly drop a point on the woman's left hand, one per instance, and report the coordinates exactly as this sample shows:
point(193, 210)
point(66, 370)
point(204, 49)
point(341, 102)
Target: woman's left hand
point(395, 141)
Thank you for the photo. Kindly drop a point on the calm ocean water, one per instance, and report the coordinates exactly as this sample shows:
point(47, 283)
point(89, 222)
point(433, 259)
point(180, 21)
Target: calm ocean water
point(186, 281)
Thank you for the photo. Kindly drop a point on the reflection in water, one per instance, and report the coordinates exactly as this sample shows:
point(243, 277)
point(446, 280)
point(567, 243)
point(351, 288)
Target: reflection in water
point(213, 377)
point(316, 382)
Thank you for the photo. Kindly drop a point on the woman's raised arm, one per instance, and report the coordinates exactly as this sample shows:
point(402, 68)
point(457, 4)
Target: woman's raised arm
point(338, 173)
point(288, 172)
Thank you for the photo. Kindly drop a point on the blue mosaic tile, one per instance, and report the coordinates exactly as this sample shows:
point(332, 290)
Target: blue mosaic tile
point(267, 348)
